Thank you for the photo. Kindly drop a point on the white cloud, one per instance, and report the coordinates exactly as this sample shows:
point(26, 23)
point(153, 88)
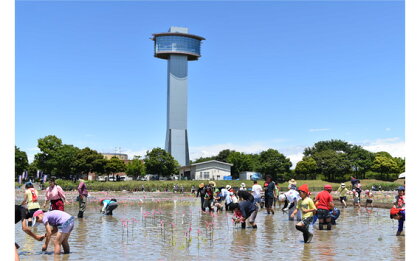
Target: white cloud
point(132, 153)
point(387, 129)
point(322, 129)
point(213, 150)
point(394, 146)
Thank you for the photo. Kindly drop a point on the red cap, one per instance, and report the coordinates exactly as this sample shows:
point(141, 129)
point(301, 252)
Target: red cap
point(394, 211)
point(265, 184)
point(328, 187)
point(304, 188)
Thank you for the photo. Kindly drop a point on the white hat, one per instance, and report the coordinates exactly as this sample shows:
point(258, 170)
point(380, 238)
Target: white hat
point(282, 197)
point(228, 187)
point(243, 185)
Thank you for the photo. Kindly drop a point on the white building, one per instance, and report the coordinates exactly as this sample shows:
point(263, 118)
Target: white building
point(249, 175)
point(208, 170)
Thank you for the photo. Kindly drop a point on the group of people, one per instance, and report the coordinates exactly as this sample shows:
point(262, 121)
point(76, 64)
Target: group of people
point(55, 220)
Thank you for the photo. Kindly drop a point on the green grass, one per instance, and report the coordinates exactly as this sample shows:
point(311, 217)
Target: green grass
point(314, 185)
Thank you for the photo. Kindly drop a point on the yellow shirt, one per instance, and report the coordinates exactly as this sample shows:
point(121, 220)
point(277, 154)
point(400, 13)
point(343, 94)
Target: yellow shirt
point(343, 191)
point(306, 204)
point(31, 204)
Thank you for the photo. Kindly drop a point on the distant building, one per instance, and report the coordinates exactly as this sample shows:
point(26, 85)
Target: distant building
point(121, 156)
point(208, 170)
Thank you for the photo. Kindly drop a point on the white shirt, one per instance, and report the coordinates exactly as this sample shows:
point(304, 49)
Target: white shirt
point(292, 195)
point(256, 190)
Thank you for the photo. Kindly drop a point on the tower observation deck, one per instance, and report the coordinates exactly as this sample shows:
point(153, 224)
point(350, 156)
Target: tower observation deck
point(178, 47)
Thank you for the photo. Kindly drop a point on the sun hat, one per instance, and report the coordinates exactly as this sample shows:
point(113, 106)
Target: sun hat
point(212, 183)
point(201, 185)
point(343, 185)
point(228, 187)
point(327, 187)
point(28, 184)
point(401, 188)
point(304, 188)
point(292, 182)
point(243, 185)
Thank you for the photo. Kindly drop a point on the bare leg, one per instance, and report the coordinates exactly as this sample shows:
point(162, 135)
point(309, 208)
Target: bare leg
point(16, 254)
point(65, 243)
point(57, 243)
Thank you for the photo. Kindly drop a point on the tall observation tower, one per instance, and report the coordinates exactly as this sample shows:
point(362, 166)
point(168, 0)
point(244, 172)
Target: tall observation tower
point(178, 47)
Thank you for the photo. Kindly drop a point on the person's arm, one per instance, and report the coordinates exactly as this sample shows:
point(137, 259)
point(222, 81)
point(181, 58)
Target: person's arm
point(47, 237)
point(25, 199)
point(295, 211)
point(104, 207)
point(28, 231)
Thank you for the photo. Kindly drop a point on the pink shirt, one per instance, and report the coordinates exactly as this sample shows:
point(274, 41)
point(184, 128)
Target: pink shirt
point(55, 193)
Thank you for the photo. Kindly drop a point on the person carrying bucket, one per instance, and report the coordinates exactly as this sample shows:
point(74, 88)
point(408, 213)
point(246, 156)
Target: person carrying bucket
point(108, 205)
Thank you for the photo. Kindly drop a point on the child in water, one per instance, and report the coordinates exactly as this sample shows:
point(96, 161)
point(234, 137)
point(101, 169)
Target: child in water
point(108, 206)
point(307, 207)
point(400, 198)
point(398, 214)
point(369, 198)
point(59, 221)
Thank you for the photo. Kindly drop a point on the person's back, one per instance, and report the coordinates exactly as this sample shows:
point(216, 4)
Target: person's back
point(324, 199)
point(32, 197)
point(256, 190)
point(246, 207)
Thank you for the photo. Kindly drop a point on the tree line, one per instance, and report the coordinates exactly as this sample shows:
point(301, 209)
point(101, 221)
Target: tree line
point(69, 162)
point(332, 160)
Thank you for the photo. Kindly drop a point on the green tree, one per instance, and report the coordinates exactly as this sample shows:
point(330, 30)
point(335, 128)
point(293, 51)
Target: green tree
point(306, 167)
point(241, 162)
point(201, 159)
point(21, 161)
point(401, 164)
point(114, 165)
point(384, 165)
point(333, 165)
point(361, 161)
point(46, 160)
point(136, 168)
point(272, 162)
point(223, 155)
point(335, 145)
point(160, 162)
point(88, 160)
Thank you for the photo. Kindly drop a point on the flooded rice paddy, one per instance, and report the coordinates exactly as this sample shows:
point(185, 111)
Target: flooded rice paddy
point(167, 226)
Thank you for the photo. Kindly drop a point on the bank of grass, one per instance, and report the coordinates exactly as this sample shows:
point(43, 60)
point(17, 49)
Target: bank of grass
point(314, 185)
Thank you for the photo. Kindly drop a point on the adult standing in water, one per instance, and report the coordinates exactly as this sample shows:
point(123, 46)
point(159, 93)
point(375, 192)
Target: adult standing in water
point(31, 200)
point(201, 192)
point(55, 194)
point(82, 198)
point(269, 194)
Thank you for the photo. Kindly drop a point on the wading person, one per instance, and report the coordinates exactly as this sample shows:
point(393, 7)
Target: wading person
point(201, 192)
point(82, 198)
point(256, 192)
point(356, 195)
point(269, 194)
point(399, 201)
point(22, 215)
point(31, 200)
point(307, 207)
point(55, 194)
point(291, 199)
point(324, 203)
point(208, 199)
point(398, 214)
point(108, 205)
point(369, 199)
point(248, 211)
point(59, 221)
point(342, 192)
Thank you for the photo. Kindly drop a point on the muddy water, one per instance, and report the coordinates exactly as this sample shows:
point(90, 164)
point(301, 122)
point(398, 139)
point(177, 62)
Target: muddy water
point(159, 229)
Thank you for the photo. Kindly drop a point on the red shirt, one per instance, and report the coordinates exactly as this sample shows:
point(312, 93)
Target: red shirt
point(324, 198)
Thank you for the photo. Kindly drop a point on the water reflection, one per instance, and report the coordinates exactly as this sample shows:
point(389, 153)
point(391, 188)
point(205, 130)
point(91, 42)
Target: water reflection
point(214, 236)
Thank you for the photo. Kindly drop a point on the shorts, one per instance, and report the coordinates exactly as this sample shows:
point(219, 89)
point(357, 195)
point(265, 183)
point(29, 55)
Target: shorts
point(323, 213)
point(307, 221)
point(269, 202)
point(369, 201)
point(67, 226)
point(356, 200)
point(343, 198)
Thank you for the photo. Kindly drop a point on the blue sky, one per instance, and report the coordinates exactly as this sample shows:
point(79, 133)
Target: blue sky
point(280, 75)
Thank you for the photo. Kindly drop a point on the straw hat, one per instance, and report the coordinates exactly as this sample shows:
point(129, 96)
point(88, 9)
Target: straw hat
point(292, 182)
point(212, 183)
point(201, 185)
point(228, 187)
